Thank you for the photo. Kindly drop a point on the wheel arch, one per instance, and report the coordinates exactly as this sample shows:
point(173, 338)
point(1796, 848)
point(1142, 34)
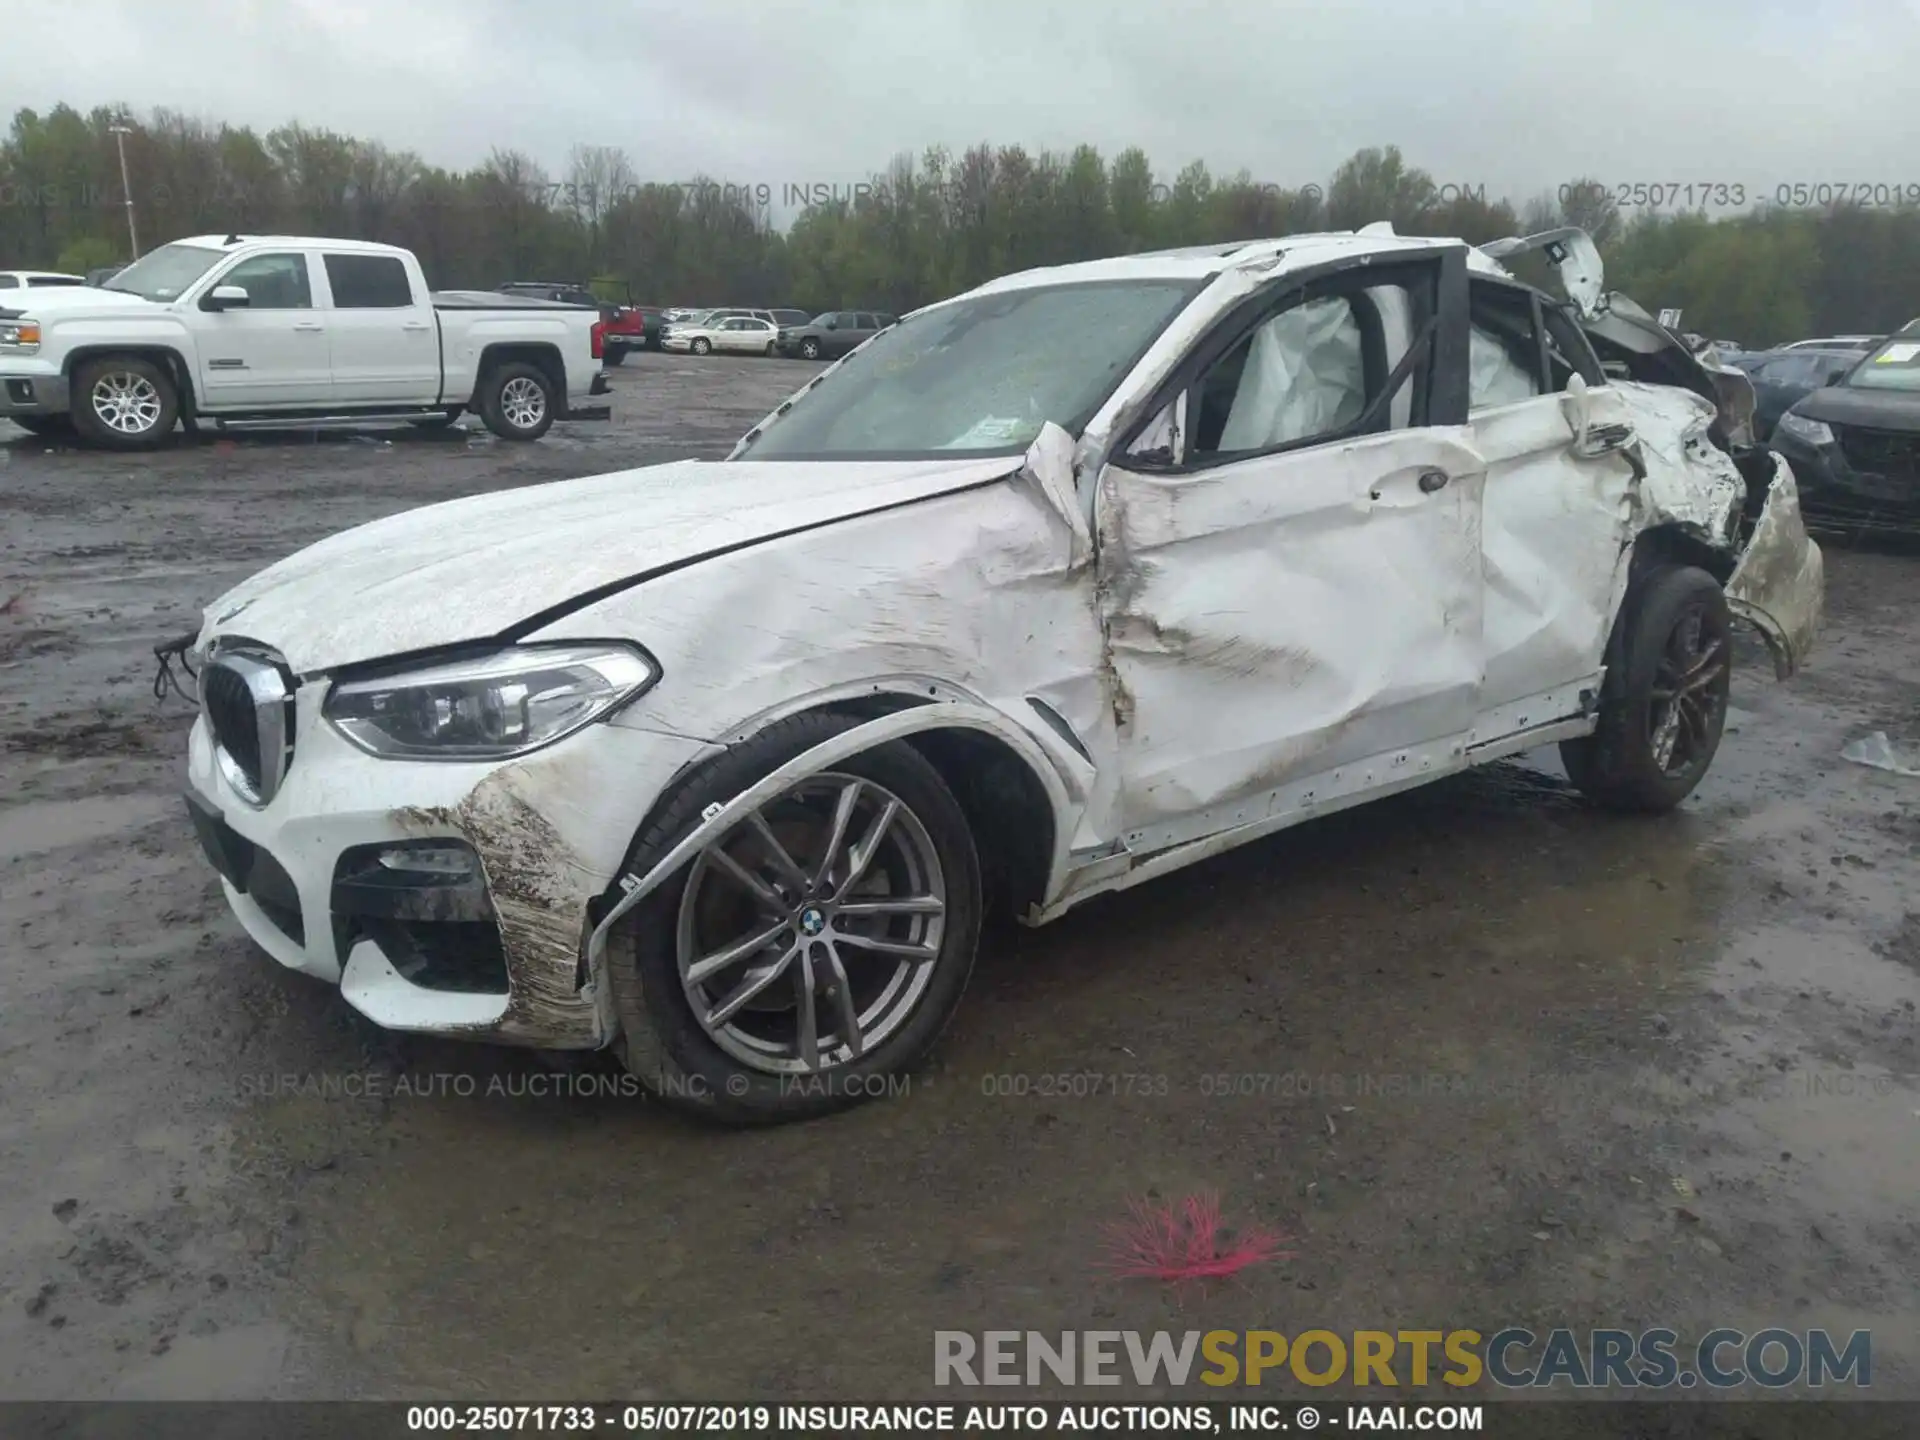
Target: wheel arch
point(166, 356)
point(1005, 781)
point(543, 356)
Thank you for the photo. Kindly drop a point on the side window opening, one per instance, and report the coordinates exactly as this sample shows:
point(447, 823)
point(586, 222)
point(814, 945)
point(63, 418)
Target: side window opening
point(273, 282)
point(1503, 347)
point(368, 282)
point(1342, 357)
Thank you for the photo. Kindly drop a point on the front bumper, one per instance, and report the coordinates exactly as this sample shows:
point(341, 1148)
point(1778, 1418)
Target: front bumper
point(676, 342)
point(29, 387)
point(497, 958)
point(1838, 496)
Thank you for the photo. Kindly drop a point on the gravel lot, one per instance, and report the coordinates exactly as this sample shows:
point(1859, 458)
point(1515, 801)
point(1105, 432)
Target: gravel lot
point(1506, 1060)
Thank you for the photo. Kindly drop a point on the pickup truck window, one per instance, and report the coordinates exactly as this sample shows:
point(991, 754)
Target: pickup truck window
point(273, 282)
point(368, 282)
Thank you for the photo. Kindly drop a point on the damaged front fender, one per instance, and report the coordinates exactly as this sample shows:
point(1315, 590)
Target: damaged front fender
point(1779, 585)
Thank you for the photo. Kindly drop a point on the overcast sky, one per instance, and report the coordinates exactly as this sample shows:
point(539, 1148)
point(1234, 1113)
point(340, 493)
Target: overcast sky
point(1513, 94)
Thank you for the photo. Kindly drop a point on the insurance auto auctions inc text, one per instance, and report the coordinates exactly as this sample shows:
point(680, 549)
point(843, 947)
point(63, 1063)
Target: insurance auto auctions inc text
point(1512, 1358)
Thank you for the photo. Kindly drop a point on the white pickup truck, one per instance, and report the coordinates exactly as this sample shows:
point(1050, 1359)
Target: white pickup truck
point(239, 331)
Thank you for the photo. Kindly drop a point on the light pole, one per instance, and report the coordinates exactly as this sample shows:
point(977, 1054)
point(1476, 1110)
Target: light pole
point(120, 133)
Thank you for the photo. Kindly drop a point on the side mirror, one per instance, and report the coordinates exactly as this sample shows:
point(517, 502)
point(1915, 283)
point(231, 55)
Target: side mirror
point(834, 323)
point(226, 297)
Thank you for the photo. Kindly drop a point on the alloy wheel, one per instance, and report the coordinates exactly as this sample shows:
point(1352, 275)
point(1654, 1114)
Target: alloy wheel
point(523, 402)
point(1689, 694)
point(807, 933)
point(126, 402)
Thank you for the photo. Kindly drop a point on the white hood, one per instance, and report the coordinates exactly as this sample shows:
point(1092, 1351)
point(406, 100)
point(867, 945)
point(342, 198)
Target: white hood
point(474, 569)
point(50, 302)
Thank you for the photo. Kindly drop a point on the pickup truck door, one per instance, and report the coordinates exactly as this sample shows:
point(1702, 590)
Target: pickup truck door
point(386, 337)
point(271, 353)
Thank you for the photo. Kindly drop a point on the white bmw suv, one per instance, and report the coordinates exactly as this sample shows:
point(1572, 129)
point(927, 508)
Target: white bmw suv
point(1048, 590)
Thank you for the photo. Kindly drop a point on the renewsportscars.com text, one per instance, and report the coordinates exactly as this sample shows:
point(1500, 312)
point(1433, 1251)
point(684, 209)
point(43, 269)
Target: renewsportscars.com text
point(1512, 1358)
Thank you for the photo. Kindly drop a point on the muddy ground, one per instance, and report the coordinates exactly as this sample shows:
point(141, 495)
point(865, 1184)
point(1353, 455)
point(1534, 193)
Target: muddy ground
point(1509, 1061)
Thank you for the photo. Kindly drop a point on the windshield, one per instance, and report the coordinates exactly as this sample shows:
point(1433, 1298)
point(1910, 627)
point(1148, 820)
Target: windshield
point(164, 274)
point(1894, 366)
point(979, 376)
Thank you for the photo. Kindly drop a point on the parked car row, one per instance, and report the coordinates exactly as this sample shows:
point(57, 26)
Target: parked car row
point(792, 333)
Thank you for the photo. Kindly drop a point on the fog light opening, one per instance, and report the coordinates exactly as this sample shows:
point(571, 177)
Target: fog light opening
point(452, 861)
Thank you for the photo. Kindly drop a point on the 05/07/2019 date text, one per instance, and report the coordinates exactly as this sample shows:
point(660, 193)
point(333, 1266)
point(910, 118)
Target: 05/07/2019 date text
point(579, 1419)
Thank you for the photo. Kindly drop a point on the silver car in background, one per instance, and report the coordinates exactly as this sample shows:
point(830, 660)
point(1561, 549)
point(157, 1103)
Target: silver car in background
point(731, 334)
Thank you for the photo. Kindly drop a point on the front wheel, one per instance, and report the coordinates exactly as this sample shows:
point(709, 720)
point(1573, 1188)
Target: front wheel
point(124, 402)
point(1663, 707)
point(809, 349)
point(516, 401)
point(814, 951)
point(701, 346)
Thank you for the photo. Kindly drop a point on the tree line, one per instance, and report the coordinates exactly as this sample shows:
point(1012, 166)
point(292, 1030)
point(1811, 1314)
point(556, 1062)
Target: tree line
point(924, 227)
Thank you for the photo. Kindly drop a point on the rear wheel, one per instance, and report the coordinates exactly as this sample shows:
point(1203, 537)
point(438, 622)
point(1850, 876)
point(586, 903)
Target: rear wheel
point(124, 402)
point(810, 952)
point(516, 401)
point(1664, 704)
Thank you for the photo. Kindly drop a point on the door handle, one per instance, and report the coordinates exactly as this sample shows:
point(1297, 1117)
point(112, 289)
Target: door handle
point(414, 327)
point(308, 329)
point(1432, 480)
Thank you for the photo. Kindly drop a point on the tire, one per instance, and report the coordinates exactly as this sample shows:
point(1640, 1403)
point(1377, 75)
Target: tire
point(124, 402)
point(1674, 636)
point(772, 350)
point(616, 355)
point(748, 1069)
point(45, 426)
point(517, 401)
point(700, 345)
point(810, 349)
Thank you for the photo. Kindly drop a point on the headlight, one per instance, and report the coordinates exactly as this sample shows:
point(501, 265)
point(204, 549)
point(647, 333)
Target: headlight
point(20, 334)
point(491, 707)
point(1812, 431)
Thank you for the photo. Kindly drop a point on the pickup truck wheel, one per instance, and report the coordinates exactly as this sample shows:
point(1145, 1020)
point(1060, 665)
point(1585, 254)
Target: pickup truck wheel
point(616, 355)
point(1664, 704)
point(122, 402)
point(809, 349)
point(811, 953)
point(516, 401)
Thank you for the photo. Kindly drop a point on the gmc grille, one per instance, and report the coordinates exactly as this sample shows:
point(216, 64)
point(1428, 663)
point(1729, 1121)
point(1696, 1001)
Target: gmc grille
point(1892, 454)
